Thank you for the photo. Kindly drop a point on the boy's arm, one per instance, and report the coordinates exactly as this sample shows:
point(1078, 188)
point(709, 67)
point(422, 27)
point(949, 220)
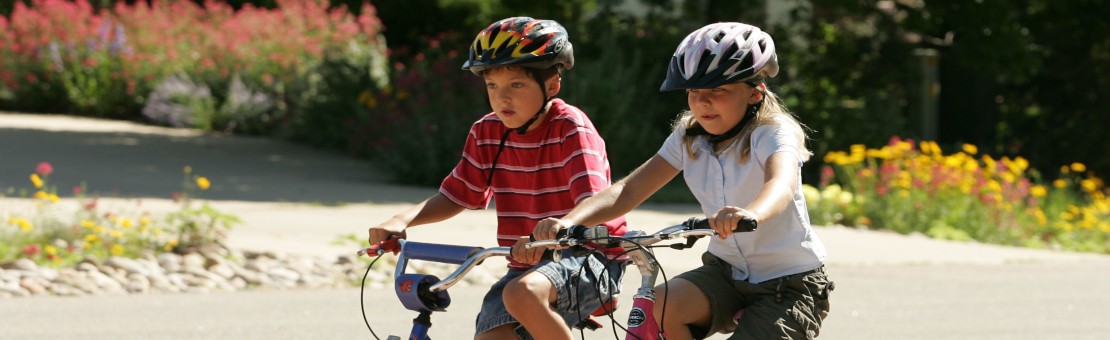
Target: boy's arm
point(434, 209)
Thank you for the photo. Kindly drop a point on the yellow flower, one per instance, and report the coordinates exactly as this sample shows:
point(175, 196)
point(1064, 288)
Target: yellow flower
point(1042, 220)
point(169, 245)
point(1038, 191)
point(99, 229)
point(1007, 177)
point(22, 223)
point(1089, 185)
point(92, 238)
point(994, 186)
point(116, 234)
point(970, 149)
point(1064, 169)
point(1060, 183)
point(87, 224)
point(1078, 167)
point(41, 195)
point(1021, 163)
point(203, 183)
point(117, 250)
point(50, 250)
point(37, 181)
point(126, 223)
point(144, 221)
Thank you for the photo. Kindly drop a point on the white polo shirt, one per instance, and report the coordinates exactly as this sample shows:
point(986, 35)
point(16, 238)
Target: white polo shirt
point(783, 245)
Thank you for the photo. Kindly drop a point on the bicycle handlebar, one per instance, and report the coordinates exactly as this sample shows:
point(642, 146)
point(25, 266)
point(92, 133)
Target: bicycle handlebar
point(466, 257)
point(695, 227)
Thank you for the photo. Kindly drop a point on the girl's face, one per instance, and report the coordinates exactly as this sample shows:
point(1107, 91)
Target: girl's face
point(515, 95)
point(721, 108)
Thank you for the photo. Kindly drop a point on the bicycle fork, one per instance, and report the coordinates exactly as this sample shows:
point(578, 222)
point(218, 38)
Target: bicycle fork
point(641, 319)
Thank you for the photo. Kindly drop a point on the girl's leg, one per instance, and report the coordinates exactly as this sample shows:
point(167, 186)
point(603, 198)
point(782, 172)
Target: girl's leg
point(686, 305)
point(529, 299)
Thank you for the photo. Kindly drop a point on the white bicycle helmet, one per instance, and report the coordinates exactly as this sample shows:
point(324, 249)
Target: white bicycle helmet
point(721, 53)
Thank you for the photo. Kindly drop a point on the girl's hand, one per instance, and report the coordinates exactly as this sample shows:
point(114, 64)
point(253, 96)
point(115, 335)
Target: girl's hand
point(726, 219)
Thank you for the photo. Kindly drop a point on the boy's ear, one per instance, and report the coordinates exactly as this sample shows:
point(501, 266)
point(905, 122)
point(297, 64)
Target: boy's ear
point(554, 84)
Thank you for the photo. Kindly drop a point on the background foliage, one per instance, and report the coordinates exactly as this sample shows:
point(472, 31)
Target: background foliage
point(1028, 80)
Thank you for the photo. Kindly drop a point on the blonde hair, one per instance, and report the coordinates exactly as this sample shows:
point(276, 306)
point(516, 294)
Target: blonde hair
point(771, 109)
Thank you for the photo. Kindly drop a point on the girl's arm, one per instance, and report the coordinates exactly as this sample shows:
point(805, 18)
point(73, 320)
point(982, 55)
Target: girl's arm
point(615, 200)
point(780, 181)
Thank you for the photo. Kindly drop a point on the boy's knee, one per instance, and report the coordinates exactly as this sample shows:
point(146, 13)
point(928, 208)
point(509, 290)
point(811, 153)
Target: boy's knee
point(527, 289)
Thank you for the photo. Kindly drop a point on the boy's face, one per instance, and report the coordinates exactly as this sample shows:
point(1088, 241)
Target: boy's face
point(515, 95)
point(721, 108)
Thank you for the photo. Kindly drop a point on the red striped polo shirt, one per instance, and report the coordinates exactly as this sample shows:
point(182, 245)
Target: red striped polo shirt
point(542, 173)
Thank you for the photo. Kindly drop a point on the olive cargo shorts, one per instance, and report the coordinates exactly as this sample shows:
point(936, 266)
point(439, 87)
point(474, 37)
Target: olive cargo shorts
point(788, 307)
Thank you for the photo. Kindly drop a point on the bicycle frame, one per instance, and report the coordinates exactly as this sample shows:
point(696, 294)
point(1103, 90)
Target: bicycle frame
point(641, 319)
point(425, 293)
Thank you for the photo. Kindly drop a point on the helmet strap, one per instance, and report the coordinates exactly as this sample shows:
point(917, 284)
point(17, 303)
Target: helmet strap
point(543, 107)
point(749, 114)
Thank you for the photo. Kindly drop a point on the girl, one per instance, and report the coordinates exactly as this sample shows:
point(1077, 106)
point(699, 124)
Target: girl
point(741, 154)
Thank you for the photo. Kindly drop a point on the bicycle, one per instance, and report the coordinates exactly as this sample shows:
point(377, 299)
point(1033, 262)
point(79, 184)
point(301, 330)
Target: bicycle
point(426, 293)
point(637, 244)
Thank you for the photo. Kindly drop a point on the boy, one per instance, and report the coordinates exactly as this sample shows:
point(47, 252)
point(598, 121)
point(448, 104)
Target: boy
point(537, 156)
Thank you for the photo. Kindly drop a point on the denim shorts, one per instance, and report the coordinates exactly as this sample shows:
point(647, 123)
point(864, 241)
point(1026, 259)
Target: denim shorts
point(579, 291)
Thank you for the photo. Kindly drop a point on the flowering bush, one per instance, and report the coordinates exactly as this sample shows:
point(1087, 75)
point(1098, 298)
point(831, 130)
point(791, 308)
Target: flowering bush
point(917, 188)
point(59, 55)
point(56, 234)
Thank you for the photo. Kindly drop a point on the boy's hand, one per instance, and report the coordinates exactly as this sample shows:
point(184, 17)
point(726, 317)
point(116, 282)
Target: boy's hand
point(386, 230)
point(726, 219)
point(524, 255)
point(548, 228)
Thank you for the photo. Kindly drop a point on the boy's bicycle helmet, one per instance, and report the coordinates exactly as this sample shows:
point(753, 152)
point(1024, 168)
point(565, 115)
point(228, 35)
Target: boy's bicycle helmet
point(521, 41)
point(721, 53)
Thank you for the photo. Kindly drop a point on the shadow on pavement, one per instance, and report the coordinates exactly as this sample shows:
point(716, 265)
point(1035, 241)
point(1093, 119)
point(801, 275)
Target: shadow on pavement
point(144, 164)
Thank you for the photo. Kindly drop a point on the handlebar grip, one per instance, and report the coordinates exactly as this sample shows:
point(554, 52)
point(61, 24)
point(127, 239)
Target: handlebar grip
point(391, 245)
point(745, 224)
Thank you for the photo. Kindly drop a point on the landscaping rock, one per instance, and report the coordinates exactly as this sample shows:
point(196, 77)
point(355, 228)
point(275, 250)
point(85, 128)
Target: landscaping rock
point(226, 270)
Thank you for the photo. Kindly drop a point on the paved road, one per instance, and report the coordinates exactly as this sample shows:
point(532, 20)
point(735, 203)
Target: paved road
point(1017, 301)
point(888, 286)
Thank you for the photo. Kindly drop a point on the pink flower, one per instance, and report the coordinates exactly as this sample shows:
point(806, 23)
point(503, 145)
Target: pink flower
point(31, 250)
point(44, 169)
